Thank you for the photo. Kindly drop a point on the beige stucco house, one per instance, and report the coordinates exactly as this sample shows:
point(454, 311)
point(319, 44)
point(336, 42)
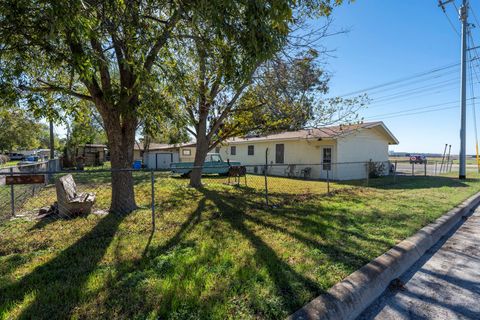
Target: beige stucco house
point(339, 151)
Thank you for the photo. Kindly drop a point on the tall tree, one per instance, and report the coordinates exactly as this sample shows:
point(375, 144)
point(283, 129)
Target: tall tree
point(100, 51)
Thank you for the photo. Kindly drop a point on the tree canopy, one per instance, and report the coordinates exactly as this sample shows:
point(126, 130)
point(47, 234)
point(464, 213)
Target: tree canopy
point(119, 56)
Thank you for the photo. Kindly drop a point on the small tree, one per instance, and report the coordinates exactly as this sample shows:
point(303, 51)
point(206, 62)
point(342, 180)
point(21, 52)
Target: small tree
point(227, 90)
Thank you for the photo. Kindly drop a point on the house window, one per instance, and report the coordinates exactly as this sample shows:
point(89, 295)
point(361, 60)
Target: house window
point(186, 152)
point(233, 150)
point(217, 149)
point(251, 150)
point(327, 158)
point(279, 153)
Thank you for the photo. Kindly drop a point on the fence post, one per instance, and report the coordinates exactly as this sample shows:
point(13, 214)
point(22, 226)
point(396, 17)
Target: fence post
point(12, 195)
point(265, 175)
point(367, 171)
point(328, 182)
point(152, 181)
point(425, 168)
point(395, 172)
point(413, 168)
point(435, 170)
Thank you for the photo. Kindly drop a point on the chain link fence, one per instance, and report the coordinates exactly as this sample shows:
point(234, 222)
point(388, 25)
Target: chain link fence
point(269, 185)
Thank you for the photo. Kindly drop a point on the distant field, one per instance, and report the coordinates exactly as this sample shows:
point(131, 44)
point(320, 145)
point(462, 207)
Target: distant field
point(471, 161)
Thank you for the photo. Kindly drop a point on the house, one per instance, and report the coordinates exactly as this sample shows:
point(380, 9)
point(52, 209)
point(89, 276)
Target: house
point(341, 152)
point(139, 149)
point(92, 154)
point(160, 156)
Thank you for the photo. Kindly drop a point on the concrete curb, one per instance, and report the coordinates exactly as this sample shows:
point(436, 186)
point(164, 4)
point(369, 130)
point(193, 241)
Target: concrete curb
point(348, 298)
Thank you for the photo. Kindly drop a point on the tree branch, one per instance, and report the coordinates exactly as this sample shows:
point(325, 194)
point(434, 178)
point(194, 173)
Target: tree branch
point(54, 88)
point(192, 132)
point(227, 110)
point(160, 42)
point(103, 65)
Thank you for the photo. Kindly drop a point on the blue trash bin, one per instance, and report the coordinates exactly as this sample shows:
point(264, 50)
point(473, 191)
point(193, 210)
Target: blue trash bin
point(137, 164)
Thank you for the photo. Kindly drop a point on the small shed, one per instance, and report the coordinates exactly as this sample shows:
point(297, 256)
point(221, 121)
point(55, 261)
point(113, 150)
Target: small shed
point(93, 154)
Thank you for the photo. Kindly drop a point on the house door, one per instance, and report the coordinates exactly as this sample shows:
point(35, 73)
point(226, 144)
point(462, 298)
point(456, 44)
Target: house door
point(327, 160)
point(163, 160)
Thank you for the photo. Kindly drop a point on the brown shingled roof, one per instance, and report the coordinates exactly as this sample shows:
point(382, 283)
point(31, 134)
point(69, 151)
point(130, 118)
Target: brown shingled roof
point(331, 132)
point(163, 146)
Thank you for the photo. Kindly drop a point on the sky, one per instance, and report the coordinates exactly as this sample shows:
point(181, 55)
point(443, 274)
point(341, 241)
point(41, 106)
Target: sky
point(388, 40)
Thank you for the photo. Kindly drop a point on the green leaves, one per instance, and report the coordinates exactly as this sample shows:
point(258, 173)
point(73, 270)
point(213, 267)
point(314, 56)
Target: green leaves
point(20, 131)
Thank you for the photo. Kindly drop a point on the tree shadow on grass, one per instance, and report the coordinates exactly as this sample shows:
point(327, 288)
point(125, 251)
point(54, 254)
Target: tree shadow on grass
point(187, 225)
point(57, 285)
point(289, 284)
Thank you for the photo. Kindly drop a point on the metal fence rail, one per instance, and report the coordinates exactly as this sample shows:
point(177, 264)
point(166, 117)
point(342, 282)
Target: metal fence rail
point(265, 184)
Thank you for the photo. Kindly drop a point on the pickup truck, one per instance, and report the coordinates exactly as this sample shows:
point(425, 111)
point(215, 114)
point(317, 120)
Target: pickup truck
point(418, 159)
point(214, 164)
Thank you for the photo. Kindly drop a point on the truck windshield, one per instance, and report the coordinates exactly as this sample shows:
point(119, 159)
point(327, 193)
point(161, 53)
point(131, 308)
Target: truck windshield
point(216, 158)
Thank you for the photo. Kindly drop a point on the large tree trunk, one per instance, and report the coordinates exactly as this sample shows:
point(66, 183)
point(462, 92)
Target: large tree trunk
point(121, 139)
point(201, 151)
point(200, 154)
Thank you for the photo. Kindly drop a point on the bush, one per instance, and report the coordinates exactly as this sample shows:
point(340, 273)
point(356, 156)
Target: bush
point(376, 169)
point(4, 159)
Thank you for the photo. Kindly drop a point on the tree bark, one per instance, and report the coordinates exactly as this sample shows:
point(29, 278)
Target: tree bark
point(121, 139)
point(200, 154)
point(201, 150)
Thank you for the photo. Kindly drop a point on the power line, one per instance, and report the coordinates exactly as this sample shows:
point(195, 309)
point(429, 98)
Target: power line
point(472, 92)
point(417, 94)
point(410, 83)
point(427, 87)
point(450, 22)
point(401, 80)
point(413, 113)
point(418, 108)
point(474, 16)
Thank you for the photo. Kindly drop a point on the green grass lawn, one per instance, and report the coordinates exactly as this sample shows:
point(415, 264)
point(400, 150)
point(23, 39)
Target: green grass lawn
point(216, 253)
point(9, 164)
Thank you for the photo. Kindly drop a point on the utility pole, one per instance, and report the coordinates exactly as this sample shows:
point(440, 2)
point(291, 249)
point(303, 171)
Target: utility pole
point(463, 15)
point(443, 157)
point(463, 91)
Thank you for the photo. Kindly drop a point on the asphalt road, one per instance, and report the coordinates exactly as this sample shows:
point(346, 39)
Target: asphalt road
point(444, 284)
